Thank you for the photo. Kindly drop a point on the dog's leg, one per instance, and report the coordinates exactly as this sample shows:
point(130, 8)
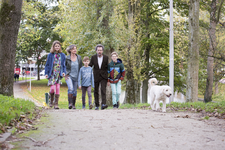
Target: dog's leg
point(153, 105)
point(152, 101)
point(157, 105)
point(164, 106)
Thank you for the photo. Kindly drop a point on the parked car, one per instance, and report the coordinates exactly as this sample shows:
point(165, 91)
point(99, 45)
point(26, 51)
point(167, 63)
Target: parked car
point(42, 73)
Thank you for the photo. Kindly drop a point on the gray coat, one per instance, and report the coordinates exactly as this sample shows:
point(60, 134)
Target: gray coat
point(68, 64)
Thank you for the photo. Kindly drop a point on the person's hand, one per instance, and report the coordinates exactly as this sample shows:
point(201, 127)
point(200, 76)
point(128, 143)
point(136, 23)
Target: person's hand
point(108, 83)
point(79, 87)
point(66, 77)
point(46, 76)
point(63, 74)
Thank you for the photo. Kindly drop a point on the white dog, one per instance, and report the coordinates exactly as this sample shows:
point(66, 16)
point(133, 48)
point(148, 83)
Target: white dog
point(157, 94)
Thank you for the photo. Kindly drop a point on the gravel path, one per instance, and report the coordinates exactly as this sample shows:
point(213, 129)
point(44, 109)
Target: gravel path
point(124, 129)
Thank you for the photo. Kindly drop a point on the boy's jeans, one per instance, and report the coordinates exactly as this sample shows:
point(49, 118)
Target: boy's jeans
point(116, 90)
point(84, 90)
point(72, 86)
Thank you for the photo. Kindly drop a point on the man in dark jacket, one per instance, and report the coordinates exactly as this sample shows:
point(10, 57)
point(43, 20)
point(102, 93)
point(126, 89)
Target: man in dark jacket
point(100, 63)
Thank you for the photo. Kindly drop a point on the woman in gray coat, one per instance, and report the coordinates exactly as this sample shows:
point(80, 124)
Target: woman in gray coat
point(73, 65)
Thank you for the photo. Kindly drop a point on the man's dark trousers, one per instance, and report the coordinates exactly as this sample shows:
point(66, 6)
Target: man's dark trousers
point(103, 83)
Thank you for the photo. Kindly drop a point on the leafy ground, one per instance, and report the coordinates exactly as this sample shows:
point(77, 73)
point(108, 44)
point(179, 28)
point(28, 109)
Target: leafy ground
point(16, 113)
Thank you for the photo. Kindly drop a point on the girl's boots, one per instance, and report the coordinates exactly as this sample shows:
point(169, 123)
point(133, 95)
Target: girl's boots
point(51, 99)
point(56, 101)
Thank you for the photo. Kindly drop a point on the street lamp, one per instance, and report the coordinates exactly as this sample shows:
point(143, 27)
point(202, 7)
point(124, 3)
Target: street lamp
point(29, 61)
point(171, 72)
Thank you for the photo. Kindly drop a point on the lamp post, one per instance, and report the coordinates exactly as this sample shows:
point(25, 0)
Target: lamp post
point(30, 60)
point(171, 72)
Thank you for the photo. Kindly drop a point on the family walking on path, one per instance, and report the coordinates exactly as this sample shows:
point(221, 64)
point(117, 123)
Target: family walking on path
point(58, 66)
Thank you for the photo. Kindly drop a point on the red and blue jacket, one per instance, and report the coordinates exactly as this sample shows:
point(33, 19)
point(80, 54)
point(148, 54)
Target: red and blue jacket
point(116, 71)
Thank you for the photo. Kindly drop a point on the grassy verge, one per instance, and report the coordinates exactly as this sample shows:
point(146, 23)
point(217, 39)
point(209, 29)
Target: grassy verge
point(24, 78)
point(208, 109)
point(39, 88)
point(13, 110)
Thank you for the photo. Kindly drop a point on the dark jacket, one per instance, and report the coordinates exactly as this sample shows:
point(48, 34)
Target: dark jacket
point(49, 64)
point(102, 73)
point(68, 64)
point(116, 71)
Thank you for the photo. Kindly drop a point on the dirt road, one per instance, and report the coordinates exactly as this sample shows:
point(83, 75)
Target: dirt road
point(127, 129)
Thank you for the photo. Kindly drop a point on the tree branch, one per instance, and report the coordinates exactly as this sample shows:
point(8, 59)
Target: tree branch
point(219, 11)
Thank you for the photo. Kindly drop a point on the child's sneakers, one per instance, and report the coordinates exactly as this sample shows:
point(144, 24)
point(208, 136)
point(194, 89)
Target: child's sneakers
point(90, 106)
point(114, 106)
point(83, 107)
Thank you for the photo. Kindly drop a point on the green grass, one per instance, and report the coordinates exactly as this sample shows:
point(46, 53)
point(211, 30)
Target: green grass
point(11, 108)
point(39, 88)
point(24, 78)
point(208, 107)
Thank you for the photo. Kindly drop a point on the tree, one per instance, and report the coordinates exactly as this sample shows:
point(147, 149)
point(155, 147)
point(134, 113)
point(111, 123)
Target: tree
point(36, 32)
point(215, 12)
point(193, 52)
point(10, 15)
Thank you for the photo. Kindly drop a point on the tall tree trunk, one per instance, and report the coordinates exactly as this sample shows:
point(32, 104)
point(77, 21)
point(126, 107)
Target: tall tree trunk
point(10, 15)
point(38, 71)
point(105, 29)
point(145, 82)
point(212, 48)
point(217, 87)
point(193, 52)
point(132, 95)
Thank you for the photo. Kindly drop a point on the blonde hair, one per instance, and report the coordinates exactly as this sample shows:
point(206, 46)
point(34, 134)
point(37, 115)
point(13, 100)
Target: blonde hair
point(85, 58)
point(53, 45)
point(114, 53)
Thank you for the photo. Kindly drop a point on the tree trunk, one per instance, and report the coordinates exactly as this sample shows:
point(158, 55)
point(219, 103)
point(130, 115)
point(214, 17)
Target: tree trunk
point(193, 53)
point(145, 82)
point(10, 15)
point(106, 33)
point(38, 71)
point(217, 87)
point(132, 94)
point(212, 48)
point(108, 88)
point(145, 91)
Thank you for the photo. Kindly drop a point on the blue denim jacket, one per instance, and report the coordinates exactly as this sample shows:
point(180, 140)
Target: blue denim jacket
point(49, 64)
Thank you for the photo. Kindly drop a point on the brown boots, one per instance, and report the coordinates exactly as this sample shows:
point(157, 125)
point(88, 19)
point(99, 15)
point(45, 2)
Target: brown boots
point(70, 99)
point(51, 99)
point(73, 102)
point(56, 101)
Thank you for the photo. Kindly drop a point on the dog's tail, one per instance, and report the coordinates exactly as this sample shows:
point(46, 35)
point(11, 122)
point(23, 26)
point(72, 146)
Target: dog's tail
point(152, 82)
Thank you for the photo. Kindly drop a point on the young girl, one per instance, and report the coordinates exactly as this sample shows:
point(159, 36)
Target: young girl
point(55, 70)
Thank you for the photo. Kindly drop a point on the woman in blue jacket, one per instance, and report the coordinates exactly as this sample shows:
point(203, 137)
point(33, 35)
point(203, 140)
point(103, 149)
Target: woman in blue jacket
point(55, 70)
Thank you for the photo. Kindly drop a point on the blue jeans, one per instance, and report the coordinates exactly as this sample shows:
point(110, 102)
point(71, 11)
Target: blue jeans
point(72, 86)
point(116, 90)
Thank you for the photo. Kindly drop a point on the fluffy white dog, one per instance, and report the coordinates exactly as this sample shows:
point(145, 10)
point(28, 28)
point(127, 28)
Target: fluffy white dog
point(157, 94)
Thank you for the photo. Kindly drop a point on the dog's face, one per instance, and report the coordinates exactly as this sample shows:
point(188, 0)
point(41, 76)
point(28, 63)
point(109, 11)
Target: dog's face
point(167, 91)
